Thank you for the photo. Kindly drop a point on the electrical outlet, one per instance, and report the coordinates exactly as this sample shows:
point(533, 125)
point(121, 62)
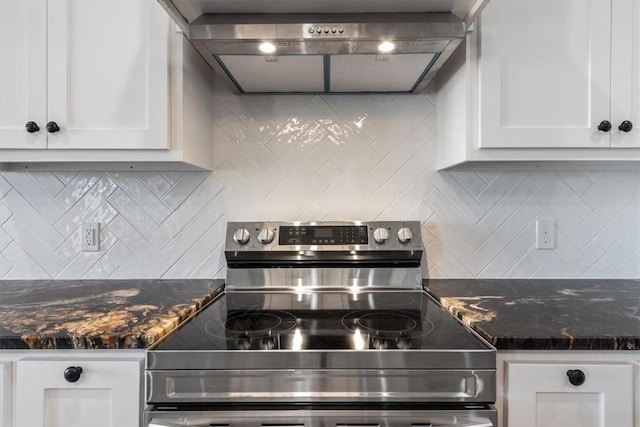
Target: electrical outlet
point(545, 234)
point(90, 236)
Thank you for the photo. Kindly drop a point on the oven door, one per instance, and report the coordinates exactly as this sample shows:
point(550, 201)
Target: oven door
point(475, 416)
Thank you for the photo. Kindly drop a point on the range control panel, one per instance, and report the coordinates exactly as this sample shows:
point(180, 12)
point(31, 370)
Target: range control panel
point(324, 236)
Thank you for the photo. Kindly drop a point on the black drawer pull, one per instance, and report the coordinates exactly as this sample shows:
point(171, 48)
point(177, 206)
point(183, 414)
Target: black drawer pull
point(576, 377)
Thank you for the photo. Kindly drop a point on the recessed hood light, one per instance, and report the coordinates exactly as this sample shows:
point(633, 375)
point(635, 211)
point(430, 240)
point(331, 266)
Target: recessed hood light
point(386, 47)
point(267, 47)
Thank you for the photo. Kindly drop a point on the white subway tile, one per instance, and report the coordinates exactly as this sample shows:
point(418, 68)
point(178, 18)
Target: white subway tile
point(310, 157)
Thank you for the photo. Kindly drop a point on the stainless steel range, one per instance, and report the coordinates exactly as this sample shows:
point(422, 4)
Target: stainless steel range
point(322, 324)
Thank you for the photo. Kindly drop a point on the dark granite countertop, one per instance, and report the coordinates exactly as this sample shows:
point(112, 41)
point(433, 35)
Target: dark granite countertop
point(96, 314)
point(546, 314)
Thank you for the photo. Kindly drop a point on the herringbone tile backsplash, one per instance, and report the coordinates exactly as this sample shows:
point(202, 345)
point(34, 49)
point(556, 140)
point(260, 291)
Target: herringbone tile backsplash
point(338, 157)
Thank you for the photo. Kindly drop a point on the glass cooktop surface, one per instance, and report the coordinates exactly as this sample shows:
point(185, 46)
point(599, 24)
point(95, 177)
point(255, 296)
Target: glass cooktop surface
point(381, 320)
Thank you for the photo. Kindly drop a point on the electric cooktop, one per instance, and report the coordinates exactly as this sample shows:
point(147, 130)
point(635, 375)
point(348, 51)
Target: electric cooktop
point(362, 320)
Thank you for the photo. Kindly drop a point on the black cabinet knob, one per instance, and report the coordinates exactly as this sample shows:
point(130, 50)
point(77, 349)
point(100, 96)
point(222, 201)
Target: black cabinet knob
point(604, 126)
point(576, 377)
point(52, 127)
point(626, 126)
point(32, 127)
point(72, 373)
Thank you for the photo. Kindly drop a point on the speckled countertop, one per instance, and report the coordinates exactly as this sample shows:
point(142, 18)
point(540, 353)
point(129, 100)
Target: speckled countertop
point(546, 314)
point(91, 314)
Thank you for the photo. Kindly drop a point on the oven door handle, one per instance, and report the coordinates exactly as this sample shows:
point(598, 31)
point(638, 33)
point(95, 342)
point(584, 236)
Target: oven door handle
point(172, 424)
point(455, 422)
point(165, 424)
point(474, 422)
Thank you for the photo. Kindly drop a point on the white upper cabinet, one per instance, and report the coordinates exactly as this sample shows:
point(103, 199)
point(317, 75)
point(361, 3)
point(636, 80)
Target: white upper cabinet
point(23, 73)
point(625, 73)
point(545, 73)
point(544, 81)
point(101, 84)
point(86, 74)
point(559, 74)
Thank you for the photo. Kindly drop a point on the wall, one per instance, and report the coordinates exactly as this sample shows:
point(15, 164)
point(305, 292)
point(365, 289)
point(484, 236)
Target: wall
point(317, 158)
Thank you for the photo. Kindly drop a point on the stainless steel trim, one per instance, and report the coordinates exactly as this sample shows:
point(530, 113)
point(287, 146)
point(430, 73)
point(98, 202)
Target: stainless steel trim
point(321, 359)
point(445, 53)
point(192, 9)
point(326, 385)
point(463, 417)
point(305, 279)
point(355, 27)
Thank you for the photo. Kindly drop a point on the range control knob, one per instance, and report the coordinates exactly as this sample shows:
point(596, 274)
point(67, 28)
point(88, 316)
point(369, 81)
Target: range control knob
point(266, 236)
point(241, 236)
point(405, 235)
point(381, 235)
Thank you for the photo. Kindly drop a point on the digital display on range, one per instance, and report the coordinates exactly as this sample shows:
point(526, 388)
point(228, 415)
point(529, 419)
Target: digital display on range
point(323, 232)
point(323, 235)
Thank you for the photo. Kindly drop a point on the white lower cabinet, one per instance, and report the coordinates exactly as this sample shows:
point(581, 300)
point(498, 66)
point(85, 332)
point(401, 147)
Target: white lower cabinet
point(569, 389)
point(5, 394)
point(542, 395)
point(81, 388)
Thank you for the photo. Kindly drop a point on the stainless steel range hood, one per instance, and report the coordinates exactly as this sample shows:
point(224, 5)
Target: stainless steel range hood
point(328, 46)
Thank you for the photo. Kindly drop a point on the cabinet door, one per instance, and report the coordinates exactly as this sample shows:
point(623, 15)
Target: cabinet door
point(108, 74)
point(5, 394)
point(545, 73)
point(541, 395)
point(106, 395)
point(625, 72)
point(23, 78)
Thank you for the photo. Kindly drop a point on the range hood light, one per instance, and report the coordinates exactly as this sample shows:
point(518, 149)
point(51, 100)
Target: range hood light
point(267, 47)
point(386, 47)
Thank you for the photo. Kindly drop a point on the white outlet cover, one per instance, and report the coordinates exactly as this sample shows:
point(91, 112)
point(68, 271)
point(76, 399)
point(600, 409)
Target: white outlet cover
point(545, 234)
point(90, 236)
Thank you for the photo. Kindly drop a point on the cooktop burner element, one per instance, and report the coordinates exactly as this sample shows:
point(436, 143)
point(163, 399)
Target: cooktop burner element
point(386, 329)
point(386, 323)
point(258, 323)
